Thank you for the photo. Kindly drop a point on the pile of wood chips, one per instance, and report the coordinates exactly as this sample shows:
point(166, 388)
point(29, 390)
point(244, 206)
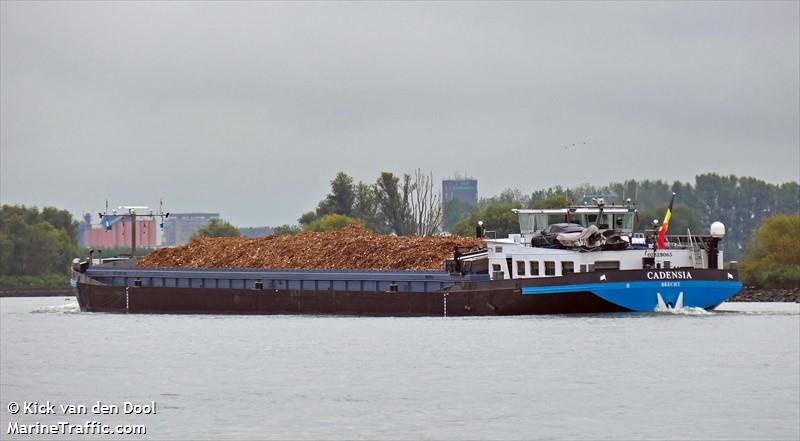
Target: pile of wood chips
point(353, 247)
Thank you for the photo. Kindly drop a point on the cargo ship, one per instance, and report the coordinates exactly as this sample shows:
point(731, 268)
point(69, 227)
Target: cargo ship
point(575, 260)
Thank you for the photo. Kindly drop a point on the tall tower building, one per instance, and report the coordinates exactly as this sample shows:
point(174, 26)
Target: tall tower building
point(463, 189)
point(180, 227)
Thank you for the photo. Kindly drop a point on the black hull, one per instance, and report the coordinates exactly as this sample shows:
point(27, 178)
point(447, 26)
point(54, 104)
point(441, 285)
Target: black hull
point(578, 293)
point(465, 302)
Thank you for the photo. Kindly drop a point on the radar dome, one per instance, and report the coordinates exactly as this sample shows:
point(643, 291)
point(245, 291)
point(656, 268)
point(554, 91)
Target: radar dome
point(718, 230)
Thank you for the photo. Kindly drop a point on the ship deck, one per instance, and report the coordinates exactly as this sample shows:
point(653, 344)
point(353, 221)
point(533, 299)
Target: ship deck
point(335, 280)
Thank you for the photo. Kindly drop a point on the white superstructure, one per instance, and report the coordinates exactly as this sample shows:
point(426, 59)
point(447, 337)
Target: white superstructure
point(514, 257)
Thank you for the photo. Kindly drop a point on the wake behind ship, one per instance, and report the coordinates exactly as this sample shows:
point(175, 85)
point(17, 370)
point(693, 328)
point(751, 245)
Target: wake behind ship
point(582, 259)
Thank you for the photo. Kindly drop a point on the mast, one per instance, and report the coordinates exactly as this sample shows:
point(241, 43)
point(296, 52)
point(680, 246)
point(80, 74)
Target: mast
point(132, 215)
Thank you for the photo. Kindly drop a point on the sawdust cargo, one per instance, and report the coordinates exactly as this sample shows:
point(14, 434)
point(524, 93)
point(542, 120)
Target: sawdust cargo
point(353, 247)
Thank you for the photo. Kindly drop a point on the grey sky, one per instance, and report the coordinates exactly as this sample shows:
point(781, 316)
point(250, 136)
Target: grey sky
point(249, 109)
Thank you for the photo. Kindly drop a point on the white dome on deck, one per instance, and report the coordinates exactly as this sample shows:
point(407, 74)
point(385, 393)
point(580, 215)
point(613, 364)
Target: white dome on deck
point(718, 230)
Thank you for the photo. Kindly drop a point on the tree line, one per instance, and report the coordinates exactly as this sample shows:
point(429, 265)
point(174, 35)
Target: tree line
point(405, 205)
point(773, 257)
point(36, 244)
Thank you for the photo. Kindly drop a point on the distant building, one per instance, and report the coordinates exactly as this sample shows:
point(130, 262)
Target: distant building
point(180, 227)
point(115, 231)
point(464, 190)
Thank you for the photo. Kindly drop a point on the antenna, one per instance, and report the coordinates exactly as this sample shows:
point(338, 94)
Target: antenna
point(132, 212)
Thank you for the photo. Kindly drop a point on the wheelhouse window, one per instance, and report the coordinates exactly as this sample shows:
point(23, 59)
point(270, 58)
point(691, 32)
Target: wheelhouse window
point(606, 265)
point(624, 221)
point(535, 268)
point(567, 268)
point(549, 268)
point(520, 268)
point(496, 267)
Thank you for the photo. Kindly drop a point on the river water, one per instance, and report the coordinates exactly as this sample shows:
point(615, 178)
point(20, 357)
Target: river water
point(730, 374)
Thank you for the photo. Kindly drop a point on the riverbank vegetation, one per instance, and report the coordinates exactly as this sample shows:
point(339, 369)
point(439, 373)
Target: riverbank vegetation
point(34, 281)
point(772, 259)
point(36, 247)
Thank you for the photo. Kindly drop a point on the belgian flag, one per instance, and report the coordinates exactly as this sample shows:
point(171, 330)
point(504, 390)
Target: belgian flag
point(662, 232)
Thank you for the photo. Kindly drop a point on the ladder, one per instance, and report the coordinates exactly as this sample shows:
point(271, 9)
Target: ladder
point(696, 253)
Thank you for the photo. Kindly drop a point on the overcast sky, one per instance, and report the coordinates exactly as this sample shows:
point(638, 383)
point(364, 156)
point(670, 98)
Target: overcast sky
point(249, 109)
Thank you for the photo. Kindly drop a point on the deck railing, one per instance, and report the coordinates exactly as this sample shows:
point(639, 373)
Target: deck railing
point(679, 241)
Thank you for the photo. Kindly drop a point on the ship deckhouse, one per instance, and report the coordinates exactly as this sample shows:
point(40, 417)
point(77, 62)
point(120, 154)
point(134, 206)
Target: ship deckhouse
point(621, 217)
point(562, 241)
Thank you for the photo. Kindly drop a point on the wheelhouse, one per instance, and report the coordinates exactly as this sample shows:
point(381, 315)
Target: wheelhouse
point(621, 217)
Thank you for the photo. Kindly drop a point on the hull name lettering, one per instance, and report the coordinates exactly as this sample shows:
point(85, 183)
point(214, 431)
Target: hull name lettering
point(669, 275)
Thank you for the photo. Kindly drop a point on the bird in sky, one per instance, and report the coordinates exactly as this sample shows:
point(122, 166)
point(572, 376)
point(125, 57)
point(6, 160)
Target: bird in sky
point(565, 147)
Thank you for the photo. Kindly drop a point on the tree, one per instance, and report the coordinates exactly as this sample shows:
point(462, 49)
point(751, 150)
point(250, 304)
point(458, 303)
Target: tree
point(497, 217)
point(682, 219)
point(34, 243)
point(6, 250)
point(506, 197)
point(773, 257)
point(358, 201)
point(61, 220)
point(331, 222)
point(367, 210)
point(44, 241)
point(394, 202)
point(539, 196)
point(17, 232)
point(218, 228)
point(554, 201)
point(426, 205)
point(454, 210)
point(286, 229)
point(340, 199)
point(307, 218)
point(787, 198)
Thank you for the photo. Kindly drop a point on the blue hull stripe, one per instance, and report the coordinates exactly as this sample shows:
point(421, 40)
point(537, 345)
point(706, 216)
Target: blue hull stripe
point(641, 295)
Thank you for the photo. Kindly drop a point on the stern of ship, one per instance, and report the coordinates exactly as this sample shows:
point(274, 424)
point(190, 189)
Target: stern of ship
point(650, 290)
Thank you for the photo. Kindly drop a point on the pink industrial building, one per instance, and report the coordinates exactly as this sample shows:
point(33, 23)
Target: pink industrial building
point(120, 233)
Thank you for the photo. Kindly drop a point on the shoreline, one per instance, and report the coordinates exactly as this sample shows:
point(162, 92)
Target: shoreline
point(752, 294)
point(748, 294)
point(37, 291)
